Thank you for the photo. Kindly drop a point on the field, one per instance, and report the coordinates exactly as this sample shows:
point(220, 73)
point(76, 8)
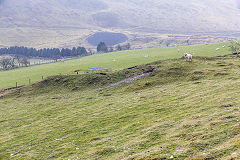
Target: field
point(115, 61)
point(183, 110)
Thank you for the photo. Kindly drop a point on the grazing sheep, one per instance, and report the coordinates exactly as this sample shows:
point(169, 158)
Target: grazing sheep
point(223, 46)
point(188, 56)
point(217, 49)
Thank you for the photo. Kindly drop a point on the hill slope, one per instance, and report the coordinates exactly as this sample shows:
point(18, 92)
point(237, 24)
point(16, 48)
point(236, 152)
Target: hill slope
point(174, 16)
point(69, 22)
point(182, 110)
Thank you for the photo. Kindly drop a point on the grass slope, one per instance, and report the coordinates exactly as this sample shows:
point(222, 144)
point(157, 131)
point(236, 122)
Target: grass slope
point(125, 15)
point(185, 110)
point(116, 60)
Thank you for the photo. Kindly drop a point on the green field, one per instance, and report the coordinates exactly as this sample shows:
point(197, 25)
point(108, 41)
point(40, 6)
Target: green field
point(183, 110)
point(116, 60)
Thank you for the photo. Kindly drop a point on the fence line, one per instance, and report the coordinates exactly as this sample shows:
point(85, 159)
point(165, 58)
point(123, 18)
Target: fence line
point(77, 72)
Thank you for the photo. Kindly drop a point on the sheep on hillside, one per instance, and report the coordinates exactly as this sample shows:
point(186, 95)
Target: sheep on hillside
point(188, 56)
point(217, 49)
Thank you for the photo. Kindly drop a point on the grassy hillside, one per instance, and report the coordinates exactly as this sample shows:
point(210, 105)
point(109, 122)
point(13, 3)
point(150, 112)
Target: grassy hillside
point(183, 110)
point(115, 61)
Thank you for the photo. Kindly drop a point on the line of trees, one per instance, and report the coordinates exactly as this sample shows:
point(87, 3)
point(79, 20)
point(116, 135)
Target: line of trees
point(18, 56)
point(53, 53)
point(56, 53)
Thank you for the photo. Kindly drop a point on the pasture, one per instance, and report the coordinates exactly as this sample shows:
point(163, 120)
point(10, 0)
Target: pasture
point(115, 61)
point(183, 110)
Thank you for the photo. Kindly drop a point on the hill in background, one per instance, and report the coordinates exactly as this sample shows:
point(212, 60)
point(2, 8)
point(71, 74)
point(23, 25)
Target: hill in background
point(63, 23)
point(160, 16)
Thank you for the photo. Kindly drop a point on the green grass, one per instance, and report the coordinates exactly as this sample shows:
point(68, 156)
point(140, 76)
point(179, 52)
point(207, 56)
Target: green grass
point(116, 60)
point(183, 109)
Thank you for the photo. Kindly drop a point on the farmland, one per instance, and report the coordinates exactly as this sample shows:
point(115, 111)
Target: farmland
point(115, 61)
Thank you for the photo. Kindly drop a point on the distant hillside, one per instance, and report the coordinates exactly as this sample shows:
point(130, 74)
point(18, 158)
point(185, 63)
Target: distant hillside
point(64, 22)
point(175, 16)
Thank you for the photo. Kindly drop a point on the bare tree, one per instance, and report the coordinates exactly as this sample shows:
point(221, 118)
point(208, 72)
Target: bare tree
point(21, 61)
point(17, 59)
point(24, 61)
point(7, 63)
point(235, 48)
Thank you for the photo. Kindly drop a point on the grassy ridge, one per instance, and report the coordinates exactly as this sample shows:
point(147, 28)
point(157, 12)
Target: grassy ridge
point(116, 60)
point(185, 110)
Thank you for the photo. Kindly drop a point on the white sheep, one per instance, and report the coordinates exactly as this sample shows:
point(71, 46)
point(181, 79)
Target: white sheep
point(217, 49)
point(188, 56)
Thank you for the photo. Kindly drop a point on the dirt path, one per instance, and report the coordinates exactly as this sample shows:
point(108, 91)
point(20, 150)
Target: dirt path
point(131, 79)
